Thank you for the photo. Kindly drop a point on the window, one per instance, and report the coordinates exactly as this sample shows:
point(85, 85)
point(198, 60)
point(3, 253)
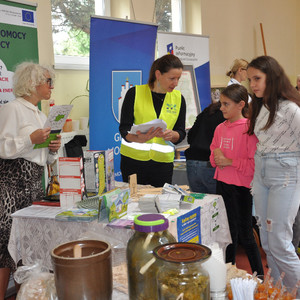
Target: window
point(168, 15)
point(71, 27)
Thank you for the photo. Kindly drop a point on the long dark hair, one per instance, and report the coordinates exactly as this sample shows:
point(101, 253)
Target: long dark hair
point(237, 93)
point(164, 64)
point(278, 86)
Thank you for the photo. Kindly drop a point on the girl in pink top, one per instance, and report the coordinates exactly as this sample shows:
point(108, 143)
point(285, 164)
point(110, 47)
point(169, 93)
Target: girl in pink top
point(232, 154)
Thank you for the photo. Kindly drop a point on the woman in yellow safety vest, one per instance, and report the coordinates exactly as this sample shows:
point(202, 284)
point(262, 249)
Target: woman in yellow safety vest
point(150, 154)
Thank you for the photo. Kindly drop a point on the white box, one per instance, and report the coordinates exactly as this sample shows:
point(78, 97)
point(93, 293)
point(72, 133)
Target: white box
point(71, 181)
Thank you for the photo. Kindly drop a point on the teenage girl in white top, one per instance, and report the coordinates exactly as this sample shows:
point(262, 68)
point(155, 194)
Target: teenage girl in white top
point(274, 119)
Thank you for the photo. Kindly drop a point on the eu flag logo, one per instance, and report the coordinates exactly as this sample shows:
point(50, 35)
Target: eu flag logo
point(27, 16)
point(170, 49)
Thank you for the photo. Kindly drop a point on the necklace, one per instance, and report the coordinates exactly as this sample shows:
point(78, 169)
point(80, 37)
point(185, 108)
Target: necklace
point(159, 96)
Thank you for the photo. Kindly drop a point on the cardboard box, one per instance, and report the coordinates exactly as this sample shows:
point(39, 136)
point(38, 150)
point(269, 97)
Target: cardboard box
point(99, 171)
point(71, 181)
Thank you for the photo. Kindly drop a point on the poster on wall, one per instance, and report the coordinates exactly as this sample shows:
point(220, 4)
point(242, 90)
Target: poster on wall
point(121, 54)
point(18, 42)
point(193, 51)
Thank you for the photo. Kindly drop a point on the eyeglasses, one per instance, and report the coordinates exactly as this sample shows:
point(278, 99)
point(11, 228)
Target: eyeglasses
point(49, 82)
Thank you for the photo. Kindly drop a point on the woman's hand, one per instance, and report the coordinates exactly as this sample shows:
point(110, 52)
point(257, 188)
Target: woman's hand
point(55, 144)
point(220, 160)
point(144, 137)
point(150, 134)
point(40, 135)
point(170, 135)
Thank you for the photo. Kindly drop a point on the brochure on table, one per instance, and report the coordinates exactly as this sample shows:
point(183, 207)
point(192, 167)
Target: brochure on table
point(113, 205)
point(56, 120)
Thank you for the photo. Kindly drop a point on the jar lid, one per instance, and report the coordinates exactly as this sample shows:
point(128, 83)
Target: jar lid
point(150, 223)
point(182, 252)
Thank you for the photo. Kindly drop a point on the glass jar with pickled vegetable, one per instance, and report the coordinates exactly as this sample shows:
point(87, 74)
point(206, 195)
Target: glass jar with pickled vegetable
point(180, 274)
point(151, 230)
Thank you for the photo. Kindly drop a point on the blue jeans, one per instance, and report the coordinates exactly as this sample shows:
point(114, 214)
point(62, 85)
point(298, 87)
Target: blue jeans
point(276, 192)
point(201, 176)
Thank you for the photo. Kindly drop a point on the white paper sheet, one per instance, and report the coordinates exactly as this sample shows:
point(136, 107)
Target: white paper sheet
point(143, 128)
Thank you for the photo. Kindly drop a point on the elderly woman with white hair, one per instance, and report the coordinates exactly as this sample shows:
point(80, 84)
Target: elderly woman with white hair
point(22, 166)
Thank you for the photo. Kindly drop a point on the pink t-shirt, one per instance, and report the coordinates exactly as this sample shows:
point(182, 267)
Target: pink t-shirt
point(236, 144)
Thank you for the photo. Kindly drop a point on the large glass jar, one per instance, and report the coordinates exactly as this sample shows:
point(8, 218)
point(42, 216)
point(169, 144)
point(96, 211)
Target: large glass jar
point(180, 274)
point(151, 230)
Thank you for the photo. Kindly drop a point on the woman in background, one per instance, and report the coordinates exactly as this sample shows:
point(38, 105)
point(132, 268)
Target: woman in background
point(22, 166)
point(275, 119)
point(150, 155)
point(238, 71)
point(200, 173)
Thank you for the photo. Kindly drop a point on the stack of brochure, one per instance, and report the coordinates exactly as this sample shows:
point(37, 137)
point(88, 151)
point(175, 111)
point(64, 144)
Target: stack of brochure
point(167, 201)
point(147, 204)
point(77, 214)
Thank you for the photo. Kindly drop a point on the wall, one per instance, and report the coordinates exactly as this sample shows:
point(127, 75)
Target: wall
point(232, 25)
point(234, 30)
point(45, 41)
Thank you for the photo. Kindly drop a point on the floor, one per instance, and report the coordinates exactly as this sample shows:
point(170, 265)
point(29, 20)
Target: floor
point(243, 263)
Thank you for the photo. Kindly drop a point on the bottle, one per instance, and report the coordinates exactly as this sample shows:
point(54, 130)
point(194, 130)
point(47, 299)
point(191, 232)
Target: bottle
point(180, 274)
point(151, 230)
point(67, 126)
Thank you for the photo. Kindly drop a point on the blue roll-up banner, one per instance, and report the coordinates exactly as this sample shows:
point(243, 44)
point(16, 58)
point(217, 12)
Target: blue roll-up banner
point(121, 54)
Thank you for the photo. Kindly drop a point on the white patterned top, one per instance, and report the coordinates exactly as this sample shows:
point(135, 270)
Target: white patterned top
point(284, 133)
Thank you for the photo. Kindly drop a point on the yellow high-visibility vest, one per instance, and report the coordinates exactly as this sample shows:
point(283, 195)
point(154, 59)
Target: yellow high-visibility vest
point(156, 149)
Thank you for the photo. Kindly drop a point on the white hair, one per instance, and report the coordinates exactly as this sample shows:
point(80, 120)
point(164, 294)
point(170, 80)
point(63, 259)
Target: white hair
point(28, 76)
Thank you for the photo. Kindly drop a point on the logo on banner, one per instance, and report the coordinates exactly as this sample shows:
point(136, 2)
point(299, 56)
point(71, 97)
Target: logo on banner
point(27, 16)
point(122, 81)
point(170, 49)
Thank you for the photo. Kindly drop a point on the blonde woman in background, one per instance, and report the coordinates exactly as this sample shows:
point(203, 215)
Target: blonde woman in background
point(238, 71)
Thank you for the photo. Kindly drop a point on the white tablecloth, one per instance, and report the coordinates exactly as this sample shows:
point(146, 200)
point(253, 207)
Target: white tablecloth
point(35, 232)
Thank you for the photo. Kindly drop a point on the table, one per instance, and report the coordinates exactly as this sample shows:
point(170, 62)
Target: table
point(35, 232)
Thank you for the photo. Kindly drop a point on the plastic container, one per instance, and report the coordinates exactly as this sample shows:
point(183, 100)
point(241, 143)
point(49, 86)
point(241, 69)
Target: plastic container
point(87, 276)
point(180, 274)
point(67, 126)
point(216, 268)
point(151, 230)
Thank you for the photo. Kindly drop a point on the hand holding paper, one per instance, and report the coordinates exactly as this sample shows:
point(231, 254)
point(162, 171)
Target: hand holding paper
point(56, 120)
point(55, 144)
point(144, 132)
point(39, 136)
point(144, 128)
